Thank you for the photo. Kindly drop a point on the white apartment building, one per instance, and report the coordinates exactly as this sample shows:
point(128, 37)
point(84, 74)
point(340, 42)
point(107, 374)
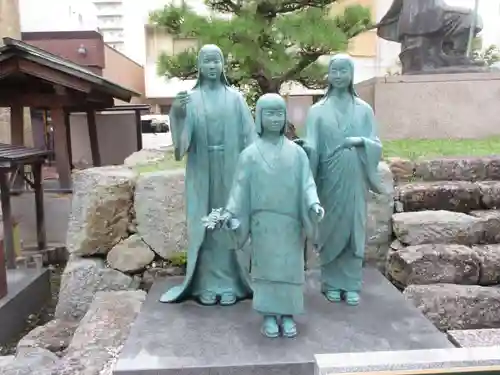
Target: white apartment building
point(110, 16)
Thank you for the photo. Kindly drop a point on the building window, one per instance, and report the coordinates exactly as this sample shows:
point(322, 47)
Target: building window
point(109, 21)
point(108, 7)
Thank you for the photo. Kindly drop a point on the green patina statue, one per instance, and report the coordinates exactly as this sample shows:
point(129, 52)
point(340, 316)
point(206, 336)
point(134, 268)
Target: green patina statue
point(273, 201)
point(212, 124)
point(344, 152)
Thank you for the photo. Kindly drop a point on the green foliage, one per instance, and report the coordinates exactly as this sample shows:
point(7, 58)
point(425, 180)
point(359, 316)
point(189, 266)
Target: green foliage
point(266, 42)
point(179, 259)
point(427, 148)
point(488, 56)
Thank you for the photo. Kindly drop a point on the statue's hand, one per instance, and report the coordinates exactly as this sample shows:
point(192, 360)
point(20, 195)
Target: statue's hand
point(353, 142)
point(318, 211)
point(180, 102)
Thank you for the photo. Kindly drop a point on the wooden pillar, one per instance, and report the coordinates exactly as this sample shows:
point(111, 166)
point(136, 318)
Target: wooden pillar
point(94, 141)
point(67, 123)
point(138, 127)
point(8, 232)
point(17, 139)
point(40, 216)
point(3, 275)
point(17, 125)
point(61, 147)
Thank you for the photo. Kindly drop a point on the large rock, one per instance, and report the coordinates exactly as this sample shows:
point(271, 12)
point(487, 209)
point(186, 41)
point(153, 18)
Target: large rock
point(99, 338)
point(462, 196)
point(459, 169)
point(159, 210)
point(54, 336)
point(451, 306)
point(443, 227)
point(490, 194)
point(402, 169)
point(145, 156)
point(30, 361)
point(81, 280)
point(102, 198)
point(430, 264)
point(489, 256)
point(379, 219)
point(130, 255)
point(491, 224)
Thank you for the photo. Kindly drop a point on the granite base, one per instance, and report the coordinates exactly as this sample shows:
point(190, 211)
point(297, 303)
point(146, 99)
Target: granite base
point(28, 291)
point(190, 339)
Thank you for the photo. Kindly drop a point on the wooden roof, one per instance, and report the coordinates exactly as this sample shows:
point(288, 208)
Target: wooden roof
point(28, 71)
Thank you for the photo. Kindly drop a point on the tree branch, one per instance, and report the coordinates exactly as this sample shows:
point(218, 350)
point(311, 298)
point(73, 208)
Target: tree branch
point(226, 6)
point(305, 60)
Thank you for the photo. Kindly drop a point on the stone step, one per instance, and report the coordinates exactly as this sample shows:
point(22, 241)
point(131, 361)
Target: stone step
point(446, 169)
point(440, 227)
point(460, 196)
point(452, 306)
point(473, 338)
point(441, 263)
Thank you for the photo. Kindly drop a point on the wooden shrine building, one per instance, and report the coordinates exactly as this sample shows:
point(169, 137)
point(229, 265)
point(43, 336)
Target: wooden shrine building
point(32, 77)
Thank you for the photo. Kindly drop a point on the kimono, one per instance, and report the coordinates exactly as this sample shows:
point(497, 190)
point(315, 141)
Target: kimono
point(272, 196)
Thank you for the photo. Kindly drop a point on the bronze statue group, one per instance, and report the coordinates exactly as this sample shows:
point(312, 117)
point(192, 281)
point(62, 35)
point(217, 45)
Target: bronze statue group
point(250, 189)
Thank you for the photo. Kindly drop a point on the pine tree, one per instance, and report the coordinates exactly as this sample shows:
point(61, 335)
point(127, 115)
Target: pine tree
point(266, 42)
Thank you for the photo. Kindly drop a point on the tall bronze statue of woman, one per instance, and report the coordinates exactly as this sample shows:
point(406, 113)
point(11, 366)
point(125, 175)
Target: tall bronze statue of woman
point(211, 125)
point(344, 152)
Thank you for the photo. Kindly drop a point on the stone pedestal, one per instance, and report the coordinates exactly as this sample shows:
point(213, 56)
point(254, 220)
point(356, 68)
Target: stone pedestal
point(189, 339)
point(434, 105)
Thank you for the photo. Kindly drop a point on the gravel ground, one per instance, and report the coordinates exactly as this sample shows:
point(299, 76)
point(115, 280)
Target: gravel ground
point(44, 316)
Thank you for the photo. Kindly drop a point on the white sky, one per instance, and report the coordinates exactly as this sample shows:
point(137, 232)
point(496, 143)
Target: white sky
point(490, 13)
point(63, 14)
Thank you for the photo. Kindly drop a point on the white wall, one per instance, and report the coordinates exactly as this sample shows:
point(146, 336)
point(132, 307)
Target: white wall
point(116, 132)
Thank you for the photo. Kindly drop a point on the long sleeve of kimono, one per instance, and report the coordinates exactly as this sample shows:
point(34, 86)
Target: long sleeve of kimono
point(247, 122)
point(311, 141)
point(310, 197)
point(182, 130)
point(371, 153)
point(239, 200)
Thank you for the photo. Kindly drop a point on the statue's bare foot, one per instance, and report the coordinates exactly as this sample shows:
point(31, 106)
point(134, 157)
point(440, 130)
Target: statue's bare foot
point(227, 298)
point(333, 295)
point(270, 327)
point(289, 327)
point(352, 298)
point(208, 298)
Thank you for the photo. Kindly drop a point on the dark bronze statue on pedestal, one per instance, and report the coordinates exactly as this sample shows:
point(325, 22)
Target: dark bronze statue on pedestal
point(433, 35)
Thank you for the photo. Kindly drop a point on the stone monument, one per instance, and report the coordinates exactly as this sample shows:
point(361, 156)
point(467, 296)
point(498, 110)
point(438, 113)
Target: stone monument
point(274, 221)
point(433, 35)
point(344, 152)
point(212, 124)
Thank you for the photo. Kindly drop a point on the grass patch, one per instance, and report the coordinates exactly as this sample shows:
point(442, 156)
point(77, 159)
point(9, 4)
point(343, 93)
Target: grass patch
point(427, 148)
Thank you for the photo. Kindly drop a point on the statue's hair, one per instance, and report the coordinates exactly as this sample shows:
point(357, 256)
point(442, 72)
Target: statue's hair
point(350, 60)
point(265, 101)
point(205, 49)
